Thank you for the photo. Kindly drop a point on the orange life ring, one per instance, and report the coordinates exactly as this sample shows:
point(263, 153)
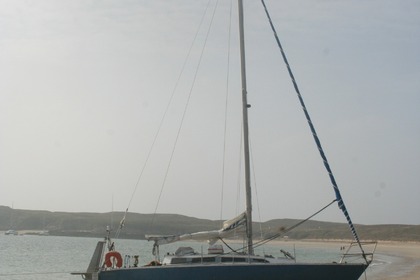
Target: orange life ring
point(112, 256)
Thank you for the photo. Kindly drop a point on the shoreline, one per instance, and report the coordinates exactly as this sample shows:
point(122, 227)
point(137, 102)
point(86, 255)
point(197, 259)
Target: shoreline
point(405, 261)
point(392, 260)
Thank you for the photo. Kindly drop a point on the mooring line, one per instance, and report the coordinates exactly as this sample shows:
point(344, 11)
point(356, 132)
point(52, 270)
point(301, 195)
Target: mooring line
point(34, 273)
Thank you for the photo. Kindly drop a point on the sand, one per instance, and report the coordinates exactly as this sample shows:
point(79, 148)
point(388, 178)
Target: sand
point(392, 260)
point(401, 261)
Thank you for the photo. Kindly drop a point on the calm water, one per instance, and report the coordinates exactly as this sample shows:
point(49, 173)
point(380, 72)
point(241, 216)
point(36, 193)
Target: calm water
point(51, 257)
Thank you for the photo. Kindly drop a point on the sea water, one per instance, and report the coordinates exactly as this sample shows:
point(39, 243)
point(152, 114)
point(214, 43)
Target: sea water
point(53, 257)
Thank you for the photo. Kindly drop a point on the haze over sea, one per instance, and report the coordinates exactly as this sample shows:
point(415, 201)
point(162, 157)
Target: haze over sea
point(85, 85)
point(53, 257)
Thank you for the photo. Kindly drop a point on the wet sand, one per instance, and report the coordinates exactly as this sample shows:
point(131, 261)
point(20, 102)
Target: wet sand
point(392, 260)
point(396, 261)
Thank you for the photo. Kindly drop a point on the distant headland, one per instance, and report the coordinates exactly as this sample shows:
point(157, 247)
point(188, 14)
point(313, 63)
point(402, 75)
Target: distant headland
point(137, 225)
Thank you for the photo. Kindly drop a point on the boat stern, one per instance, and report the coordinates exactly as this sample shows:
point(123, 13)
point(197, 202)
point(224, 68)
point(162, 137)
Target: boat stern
point(91, 272)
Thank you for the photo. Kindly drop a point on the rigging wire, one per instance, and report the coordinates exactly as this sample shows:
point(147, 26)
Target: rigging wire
point(238, 191)
point(162, 120)
point(256, 188)
point(339, 199)
point(226, 112)
point(283, 231)
point(185, 111)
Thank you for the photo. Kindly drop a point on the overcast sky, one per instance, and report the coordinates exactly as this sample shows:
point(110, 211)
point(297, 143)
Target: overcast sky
point(84, 85)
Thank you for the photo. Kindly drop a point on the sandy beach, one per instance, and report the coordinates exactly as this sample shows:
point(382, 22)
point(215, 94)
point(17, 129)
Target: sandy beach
point(396, 261)
point(392, 260)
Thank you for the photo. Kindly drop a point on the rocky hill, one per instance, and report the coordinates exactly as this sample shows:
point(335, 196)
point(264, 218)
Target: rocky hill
point(137, 225)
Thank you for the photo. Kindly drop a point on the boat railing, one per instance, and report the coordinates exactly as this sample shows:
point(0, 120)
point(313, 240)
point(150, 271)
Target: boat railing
point(353, 254)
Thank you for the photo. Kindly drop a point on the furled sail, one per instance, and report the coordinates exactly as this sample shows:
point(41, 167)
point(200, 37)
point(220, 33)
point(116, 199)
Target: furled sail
point(230, 228)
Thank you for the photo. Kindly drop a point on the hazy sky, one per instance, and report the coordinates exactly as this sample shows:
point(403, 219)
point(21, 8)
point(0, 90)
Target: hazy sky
point(84, 85)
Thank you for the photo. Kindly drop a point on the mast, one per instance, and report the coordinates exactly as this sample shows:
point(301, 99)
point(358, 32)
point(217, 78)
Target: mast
point(245, 107)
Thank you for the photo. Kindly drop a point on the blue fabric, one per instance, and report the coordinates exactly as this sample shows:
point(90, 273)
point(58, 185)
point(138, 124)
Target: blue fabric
point(340, 201)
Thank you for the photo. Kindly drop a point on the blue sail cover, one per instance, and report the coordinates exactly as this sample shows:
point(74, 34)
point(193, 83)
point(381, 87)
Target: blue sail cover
point(339, 199)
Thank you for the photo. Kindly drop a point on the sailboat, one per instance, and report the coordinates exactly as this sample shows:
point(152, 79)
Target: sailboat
point(11, 231)
point(108, 264)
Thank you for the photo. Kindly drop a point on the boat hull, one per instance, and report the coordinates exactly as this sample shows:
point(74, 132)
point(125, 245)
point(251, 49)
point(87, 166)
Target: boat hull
point(243, 272)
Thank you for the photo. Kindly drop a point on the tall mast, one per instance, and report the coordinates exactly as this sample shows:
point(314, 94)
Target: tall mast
point(245, 130)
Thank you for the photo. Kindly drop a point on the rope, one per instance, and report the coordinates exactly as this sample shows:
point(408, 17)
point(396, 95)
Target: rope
point(293, 227)
point(282, 232)
point(227, 245)
point(35, 273)
point(339, 199)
